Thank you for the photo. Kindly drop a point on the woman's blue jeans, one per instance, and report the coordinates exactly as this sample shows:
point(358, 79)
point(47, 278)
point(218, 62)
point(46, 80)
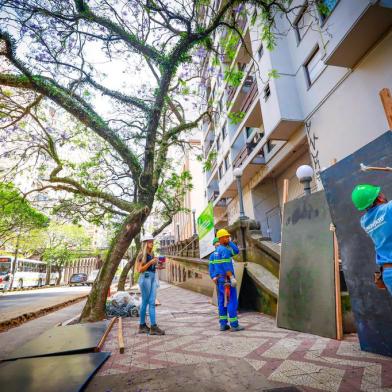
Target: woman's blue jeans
point(148, 288)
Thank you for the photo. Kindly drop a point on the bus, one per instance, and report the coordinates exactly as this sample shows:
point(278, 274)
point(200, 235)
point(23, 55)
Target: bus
point(28, 273)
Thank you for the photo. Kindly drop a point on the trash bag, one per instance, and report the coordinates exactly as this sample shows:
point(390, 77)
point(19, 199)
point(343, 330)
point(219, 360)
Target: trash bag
point(125, 310)
point(121, 298)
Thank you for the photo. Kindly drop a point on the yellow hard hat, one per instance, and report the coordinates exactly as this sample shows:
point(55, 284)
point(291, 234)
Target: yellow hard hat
point(222, 233)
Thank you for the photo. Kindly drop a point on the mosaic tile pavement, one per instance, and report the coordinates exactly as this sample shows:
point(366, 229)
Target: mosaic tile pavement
point(310, 362)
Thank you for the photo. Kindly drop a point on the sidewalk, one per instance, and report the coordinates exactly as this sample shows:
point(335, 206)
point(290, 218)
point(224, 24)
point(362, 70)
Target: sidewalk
point(192, 336)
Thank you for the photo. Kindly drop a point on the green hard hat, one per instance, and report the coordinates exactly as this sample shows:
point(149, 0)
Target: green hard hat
point(363, 195)
point(215, 241)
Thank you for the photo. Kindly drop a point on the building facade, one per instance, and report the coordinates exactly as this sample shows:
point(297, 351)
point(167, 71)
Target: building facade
point(313, 99)
point(183, 225)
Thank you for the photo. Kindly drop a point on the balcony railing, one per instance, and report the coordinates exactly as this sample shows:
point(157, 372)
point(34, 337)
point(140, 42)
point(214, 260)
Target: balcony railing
point(251, 84)
point(244, 154)
point(214, 195)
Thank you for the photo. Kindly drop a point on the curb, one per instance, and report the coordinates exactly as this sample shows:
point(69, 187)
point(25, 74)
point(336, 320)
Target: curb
point(19, 320)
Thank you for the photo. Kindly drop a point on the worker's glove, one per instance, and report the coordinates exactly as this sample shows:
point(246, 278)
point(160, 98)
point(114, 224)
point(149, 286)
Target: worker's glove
point(233, 281)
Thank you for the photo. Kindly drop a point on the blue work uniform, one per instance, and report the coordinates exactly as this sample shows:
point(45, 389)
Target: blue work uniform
point(377, 223)
point(211, 265)
point(222, 262)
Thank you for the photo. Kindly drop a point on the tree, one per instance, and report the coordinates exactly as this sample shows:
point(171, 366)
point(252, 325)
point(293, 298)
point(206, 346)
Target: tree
point(17, 216)
point(63, 243)
point(56, 50)
point(57, 244)
point(168, 202)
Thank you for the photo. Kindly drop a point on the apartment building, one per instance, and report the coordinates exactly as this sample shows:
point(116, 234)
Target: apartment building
point(323, 105)
point(182, 226)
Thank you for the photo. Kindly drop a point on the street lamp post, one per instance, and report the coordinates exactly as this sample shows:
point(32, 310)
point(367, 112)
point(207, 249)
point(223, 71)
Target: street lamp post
point(238, 174)
point(178, 232)
point(305, 176)
point(194, 222)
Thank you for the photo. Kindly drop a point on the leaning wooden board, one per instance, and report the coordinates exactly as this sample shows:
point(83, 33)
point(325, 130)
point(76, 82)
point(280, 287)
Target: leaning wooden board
point(372, 307)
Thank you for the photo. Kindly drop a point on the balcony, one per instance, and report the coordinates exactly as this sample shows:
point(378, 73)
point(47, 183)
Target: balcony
point(250, 85)
point(245, 153)
point(214, 195)
point(353, 36)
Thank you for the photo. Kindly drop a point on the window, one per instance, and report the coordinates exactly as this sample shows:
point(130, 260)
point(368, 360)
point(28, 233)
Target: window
point(303, 21)
point(260, 51)
point(227, 162)
point(218, 142)
point(220, 106)
point(267, 92)
point(220, 171)
point(270, 146)
point(325, 8)
point(224, 131)
point(248, 131)
point(314, 66)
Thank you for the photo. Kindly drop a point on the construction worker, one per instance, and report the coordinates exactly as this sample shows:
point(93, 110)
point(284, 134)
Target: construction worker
point(377, 223)
point(211, 265)
point(223, 275)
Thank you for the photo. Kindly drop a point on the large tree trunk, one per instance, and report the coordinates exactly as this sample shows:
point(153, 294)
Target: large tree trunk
point(124, 273)
point(128, 266)
point(94, 310)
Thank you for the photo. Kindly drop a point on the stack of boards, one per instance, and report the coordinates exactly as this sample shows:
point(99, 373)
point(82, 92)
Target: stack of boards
point(61, 359)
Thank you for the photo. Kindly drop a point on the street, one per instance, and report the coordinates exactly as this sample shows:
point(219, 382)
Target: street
point(13, 304)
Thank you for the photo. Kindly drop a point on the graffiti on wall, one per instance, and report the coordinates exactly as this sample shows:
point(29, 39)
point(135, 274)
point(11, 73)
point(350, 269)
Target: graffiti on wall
point(313, 149)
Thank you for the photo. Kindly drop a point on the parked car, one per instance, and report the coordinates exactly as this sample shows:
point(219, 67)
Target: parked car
point(79, 278)
point(92, 276)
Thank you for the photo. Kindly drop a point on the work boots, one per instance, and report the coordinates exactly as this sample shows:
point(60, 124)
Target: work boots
point(144, 328)
point(155, 330)
point(237, 328)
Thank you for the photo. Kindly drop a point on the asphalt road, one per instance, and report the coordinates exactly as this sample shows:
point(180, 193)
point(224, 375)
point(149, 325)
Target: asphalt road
point(14, 303)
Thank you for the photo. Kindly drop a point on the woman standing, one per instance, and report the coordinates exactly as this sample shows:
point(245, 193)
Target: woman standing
point(146, 266)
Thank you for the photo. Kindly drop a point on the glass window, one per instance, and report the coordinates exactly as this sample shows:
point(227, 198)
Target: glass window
point(260, 51)
point(218, 142)
point(302, 23)
point(5, 268)
point(227, 162)
point(325, 8)
point(267, 92)
point(220, 171)
point(314, 66)
point(224, 132)
point(270, 146)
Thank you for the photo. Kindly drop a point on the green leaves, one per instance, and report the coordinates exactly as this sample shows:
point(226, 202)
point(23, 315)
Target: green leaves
point(233, 77)
point(16, 213)
point(273, 74)
point(236, 117)
point(209, 162)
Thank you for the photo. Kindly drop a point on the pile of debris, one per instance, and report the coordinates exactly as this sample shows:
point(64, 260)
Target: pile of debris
point(123, 304)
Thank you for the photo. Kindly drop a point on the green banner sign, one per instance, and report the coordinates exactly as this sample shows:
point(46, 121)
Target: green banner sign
point(205, 222)
point(205, 229)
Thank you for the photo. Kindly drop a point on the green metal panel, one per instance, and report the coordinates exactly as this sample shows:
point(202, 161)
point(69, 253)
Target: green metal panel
point(307, 282)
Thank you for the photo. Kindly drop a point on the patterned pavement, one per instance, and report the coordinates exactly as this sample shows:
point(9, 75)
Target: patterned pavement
point(310, 362)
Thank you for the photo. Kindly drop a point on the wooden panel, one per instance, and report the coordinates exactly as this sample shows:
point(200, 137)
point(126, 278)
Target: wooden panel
point(306, 283)
point(372, 307)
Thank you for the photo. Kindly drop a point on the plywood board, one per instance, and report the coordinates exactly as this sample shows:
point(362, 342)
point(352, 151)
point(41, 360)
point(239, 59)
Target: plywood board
point(63, 340)
point(372, 307)
point(63, 373)
point(306, 283)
